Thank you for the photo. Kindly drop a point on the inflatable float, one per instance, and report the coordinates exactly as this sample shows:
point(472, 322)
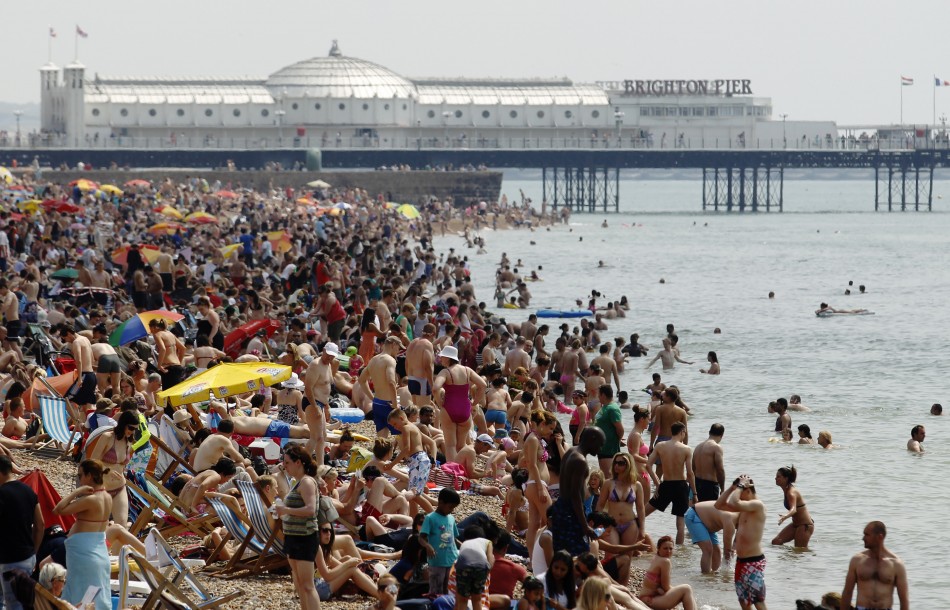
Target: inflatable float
point(557, 313)
point(347, 415)
point(511, 306)
point(831, 314)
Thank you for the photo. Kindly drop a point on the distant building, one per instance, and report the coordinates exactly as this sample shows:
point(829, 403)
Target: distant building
point(338, 101)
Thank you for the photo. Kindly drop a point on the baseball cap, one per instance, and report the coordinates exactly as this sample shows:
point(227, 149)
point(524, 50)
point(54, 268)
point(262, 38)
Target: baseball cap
point(484, 438)
point(331, 348)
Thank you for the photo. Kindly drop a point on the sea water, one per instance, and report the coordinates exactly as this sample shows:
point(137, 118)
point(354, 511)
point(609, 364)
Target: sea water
point(867, 379)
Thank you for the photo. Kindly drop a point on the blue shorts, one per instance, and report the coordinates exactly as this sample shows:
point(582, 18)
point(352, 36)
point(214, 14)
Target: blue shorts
point(496, 416)
point(698, 530)
point(381, 410)
point(323, 589)
point(278, 429)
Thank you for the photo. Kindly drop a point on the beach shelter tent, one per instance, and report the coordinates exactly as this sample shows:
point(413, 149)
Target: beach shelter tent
point(48, 497)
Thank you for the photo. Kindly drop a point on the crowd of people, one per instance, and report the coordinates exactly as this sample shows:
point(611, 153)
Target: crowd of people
point(350, 293)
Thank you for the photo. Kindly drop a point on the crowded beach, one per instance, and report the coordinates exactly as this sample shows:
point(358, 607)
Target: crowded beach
point(216, 396)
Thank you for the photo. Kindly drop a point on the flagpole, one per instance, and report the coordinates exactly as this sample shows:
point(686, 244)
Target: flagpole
point(902, 102)
point(49, 46)
point(76, 44)
point(934, 123)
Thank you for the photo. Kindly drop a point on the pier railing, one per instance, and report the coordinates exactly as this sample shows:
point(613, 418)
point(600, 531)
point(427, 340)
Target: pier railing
point(602, 142)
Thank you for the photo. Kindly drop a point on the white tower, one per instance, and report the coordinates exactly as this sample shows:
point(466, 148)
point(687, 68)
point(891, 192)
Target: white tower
point(74, 111)
point(49, 81)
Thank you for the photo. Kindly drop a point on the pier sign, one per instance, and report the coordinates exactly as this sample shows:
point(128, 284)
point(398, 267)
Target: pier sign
point(722, 86)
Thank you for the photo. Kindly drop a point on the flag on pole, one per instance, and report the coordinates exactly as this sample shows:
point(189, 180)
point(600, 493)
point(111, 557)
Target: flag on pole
point(83, 34)
point(906, 81)
point(941, 83)
point(52, 32)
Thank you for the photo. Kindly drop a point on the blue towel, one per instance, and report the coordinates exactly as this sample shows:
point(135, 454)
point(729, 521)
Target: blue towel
point(87, 564)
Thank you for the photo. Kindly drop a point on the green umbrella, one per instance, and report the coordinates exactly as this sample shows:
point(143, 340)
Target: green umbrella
point(64, 274)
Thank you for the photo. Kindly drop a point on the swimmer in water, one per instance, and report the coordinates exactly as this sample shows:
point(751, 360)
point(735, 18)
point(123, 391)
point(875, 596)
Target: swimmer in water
point(936, 409)
point(825, 308)
point(795, 403)
point(713, 364)
point(824, 439)
point(917, 434)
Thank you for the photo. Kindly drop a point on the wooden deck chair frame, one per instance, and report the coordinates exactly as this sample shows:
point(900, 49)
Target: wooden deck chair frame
point(165, 593)
point(177, 461)
point(45, 600)
point(49, 421)
point(256, 506)
point(176, 523)
point(176, 570)
point(240, 528)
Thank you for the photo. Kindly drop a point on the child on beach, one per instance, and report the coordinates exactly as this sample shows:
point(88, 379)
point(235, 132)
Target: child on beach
point(438, 535)
point(412, 452)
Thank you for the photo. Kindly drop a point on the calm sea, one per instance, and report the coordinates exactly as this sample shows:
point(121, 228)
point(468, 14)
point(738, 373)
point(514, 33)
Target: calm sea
point(868, 379)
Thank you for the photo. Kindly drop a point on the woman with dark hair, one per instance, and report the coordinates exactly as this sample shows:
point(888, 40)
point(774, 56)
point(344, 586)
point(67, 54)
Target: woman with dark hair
point(802, 526)
point(804, 435)
point(559, 587)
point(114, 449)
point(336, 569)
point(299, 515)
point(86, 553)
point(713, 360)
point(369, 332)
point(193, 493)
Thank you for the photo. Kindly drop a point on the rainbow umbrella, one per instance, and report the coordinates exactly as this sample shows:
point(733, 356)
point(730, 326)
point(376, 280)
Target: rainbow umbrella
point(201, 218)
point(224, 380)
point(150, 253)
point(166, 228)
point(136, 327)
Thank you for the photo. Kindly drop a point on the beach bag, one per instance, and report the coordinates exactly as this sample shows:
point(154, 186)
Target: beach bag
point(442, 477)
point(359, 457)
point(326, 512)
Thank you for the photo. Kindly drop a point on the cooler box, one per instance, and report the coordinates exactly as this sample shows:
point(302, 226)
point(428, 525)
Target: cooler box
point(266, 448)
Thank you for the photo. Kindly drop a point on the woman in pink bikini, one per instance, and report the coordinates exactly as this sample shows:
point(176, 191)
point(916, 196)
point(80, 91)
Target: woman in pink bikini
point(451, 390)
point(656, 591)
point(114, 450)
point(534, 459)
point(638, 448)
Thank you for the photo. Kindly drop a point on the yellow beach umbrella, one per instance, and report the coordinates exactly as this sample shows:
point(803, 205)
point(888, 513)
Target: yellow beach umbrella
point(223, 381)
point(409, 211)
point(201, 218)
point(30, 205)
point(166, 228)
point(111, 189)
point(6, 176)
point(280, 241)
point(228, 250)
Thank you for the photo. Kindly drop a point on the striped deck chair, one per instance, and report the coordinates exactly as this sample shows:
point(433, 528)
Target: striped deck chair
point(54, 414)
point(160, 503)
point(240, 531)
point(165, 592)
point(257, 512)
point(173, 567)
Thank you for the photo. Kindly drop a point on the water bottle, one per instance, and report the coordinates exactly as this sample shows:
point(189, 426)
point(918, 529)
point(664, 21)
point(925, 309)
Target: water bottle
point(273, 508)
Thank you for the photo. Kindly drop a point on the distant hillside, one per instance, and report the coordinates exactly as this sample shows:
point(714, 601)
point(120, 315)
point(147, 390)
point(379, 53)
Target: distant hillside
point(28, 122)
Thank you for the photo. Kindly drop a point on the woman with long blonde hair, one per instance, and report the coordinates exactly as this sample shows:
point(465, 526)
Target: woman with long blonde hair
point(595, 595)
point(534, 459)
point(622, 496)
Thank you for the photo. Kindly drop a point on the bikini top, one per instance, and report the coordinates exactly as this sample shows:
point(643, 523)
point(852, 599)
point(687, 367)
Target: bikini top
point(630, 499)
point(544, 446)
point(787, 507)
point(110, 456)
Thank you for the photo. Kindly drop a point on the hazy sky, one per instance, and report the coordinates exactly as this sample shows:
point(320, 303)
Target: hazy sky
point(831, 59)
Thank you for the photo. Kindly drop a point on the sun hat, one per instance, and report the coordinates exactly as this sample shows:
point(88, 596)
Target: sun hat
point(181, 415)
point(451, 352)
point(484, 438)
point(293, 383)
point(331, 348)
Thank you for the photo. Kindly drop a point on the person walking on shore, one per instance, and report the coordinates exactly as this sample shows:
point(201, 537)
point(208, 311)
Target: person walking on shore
point(750, 562)
point(877, 572)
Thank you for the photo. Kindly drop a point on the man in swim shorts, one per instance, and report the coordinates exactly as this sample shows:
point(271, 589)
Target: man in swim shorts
point(381, 371)
point(417, 460)
point(264, 426)
point(420, 358)
point(83, 392)
point(677, 478)
point(740, 498)
point(708, 466)
point(704, 520)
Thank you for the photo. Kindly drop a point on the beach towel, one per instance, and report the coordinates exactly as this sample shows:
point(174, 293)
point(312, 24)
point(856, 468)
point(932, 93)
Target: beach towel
point(88, 564)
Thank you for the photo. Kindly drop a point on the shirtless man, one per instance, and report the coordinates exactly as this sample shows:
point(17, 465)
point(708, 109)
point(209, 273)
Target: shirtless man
point(267, 427)
point(83, 392)
point(664, 417)
point(707, 465)
point(877, 572)
point(420, 357)
point(10, 309)
point(217, 446)
point(917, 435)
point(171, 350)
point(381, 370)
point(517, 357)
point(417, 460)
point(667, 356)
point(678, 477)
point(608, 365)
point(467, 458)
point(15, 425)
point(107, 364)
point(703, 520)
point(490, 351)
point(317, 381)
point(750, 562)
point(529, 328)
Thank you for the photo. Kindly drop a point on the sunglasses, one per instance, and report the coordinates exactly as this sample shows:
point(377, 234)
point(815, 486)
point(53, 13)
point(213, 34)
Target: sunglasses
point(325, 530)
point(620, 463)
